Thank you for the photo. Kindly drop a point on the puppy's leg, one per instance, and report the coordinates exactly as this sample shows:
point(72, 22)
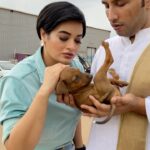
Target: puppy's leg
point(113, 73)
point(119, 83)
point(103, 84)
point(102, 73)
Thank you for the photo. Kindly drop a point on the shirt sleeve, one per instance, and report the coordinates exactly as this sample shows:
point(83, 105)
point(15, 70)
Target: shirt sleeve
point(14, 102)
point(147, 105)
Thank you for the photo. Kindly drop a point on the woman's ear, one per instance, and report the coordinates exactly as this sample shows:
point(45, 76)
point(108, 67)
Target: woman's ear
point(43, 34)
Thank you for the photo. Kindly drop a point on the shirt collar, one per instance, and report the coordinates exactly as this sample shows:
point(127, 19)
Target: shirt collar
point(140, 34)
point(143, 33)
point(39, 64)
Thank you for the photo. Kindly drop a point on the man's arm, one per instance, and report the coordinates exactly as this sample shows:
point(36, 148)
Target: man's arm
point(126, 103)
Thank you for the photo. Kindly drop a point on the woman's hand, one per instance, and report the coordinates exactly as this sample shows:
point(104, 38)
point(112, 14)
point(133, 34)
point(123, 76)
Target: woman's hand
point(51, 76)
point(67, 99)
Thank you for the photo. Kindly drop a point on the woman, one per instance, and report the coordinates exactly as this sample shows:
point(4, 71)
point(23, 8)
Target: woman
point(29, 112)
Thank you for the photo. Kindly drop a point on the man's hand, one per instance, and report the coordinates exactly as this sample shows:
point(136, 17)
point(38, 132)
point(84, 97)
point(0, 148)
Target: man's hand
point(99, 109)
point(129, 103)
point(126, 103)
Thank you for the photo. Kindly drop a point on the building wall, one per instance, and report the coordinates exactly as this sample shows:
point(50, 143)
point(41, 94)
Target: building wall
point(91, 42)
point(18, 35)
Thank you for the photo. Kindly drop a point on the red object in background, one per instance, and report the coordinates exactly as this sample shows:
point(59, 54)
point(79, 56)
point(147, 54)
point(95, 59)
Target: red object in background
point(21, 56)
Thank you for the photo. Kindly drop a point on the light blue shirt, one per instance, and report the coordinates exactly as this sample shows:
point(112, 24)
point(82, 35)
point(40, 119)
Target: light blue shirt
point(17, 91)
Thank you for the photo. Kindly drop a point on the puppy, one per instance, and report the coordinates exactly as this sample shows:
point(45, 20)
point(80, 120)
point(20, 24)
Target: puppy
point(79, 84)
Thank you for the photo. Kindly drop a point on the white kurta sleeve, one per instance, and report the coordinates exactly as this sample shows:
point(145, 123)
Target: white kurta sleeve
point(147, 105)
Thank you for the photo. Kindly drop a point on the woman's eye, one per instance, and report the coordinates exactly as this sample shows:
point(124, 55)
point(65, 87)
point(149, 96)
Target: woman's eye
point(63, 38)
point(120, 3)
point(78, 41)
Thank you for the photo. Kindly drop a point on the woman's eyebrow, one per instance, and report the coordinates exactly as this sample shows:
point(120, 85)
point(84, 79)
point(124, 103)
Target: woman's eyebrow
point(112, 1)
point(65, 32)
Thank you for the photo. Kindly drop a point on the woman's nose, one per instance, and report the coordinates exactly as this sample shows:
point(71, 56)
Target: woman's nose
point(72, 45)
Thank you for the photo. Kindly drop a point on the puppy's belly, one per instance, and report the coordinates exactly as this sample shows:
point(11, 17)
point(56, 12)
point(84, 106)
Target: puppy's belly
point(82, 97)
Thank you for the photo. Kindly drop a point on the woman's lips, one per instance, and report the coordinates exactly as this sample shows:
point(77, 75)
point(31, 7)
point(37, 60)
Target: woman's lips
point(68, 55)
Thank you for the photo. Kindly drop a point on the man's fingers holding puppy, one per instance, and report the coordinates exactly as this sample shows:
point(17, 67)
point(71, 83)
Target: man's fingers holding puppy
point(98, 105)
point(98, 110)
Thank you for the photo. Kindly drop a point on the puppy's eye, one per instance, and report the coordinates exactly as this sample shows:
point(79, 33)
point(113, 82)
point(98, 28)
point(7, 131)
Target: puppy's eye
point(75, 78)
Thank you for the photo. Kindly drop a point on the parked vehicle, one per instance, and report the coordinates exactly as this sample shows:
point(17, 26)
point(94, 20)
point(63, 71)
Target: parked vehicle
point(5, 67)
point(85, 64)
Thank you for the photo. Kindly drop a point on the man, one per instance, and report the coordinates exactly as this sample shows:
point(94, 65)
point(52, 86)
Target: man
point(129, 129)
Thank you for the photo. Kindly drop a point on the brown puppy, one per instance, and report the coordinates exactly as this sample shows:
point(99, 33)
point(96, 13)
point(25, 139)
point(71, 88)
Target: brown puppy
point(79, 84)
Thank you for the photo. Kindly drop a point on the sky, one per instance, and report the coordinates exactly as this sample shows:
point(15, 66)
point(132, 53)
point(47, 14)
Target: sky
point(93, 10)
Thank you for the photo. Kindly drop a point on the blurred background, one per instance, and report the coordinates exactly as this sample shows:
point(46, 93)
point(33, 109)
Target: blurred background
point(18, 38)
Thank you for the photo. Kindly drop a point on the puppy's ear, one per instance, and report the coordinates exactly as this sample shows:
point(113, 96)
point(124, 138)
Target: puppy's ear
point(61, 88)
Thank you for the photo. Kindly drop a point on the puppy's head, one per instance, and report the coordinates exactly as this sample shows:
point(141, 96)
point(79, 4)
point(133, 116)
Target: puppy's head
point(72, 79)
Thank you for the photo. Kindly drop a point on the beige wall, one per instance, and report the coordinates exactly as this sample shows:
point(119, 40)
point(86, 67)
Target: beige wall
point(18, 34)
point(92, 40)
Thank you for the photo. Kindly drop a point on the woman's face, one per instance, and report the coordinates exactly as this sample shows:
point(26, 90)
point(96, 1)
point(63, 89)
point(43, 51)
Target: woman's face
point(63, 43)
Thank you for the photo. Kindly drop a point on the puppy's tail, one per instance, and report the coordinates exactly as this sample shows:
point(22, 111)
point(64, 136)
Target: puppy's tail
point(112, 110)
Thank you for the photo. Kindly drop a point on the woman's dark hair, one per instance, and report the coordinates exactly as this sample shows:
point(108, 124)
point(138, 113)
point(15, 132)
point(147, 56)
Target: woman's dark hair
point(57, 12)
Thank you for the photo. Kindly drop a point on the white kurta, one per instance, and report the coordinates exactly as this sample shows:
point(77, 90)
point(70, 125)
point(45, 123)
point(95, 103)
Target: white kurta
point(126, 54)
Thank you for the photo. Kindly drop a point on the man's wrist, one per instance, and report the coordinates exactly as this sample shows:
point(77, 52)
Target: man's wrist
point(81, 148)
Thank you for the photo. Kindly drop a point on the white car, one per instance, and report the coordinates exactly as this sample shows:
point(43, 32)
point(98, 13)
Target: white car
point(5, 67)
